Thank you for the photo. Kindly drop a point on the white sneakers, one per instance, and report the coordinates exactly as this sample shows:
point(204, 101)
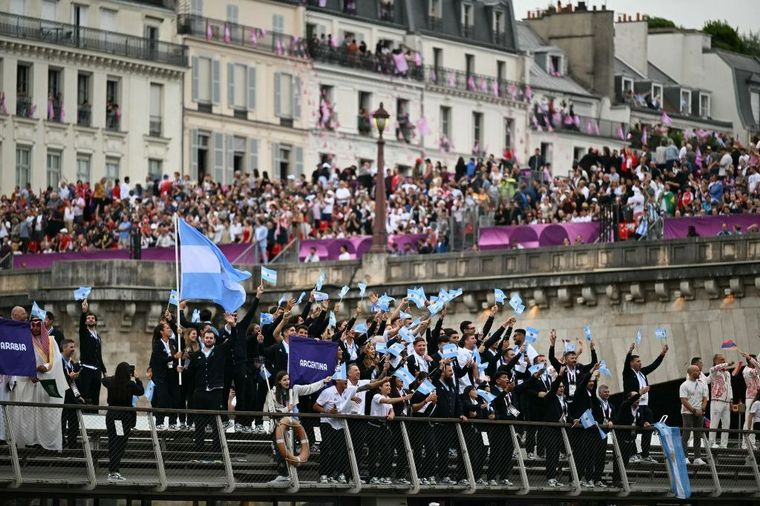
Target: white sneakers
point(113, 477)
point(699, 462)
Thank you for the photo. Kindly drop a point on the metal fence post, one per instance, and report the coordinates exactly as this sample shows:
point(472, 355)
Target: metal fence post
point(751, 457)
point(162, 480)
point(571, 462)
point(520, 462)
point(11, 440)
point(410, 460)
point(352, 460)
point(87, 452)
point(711, 462)
point(225, 455)
point(618, 456)
point(466, 459)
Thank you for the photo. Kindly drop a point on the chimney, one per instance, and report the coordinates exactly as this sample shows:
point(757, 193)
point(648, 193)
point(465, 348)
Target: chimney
point(594, 8)
point(581, 6)
point(638, 16)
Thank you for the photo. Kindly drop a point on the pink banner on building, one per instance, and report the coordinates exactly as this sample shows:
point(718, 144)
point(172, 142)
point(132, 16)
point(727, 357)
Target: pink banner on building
point(534, 236)
point(329, 249)
point(708, 226)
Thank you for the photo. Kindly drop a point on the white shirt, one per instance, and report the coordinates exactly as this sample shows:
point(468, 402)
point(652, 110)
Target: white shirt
point(644, 399)
point(755, 412)
point(329, 399)
point(357, 408)
point(168, 349)
point(694, 392)
point(378, 408)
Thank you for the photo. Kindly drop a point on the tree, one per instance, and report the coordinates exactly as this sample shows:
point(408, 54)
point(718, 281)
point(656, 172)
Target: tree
point(751, 44)
point(655, 22)
point(724, 36)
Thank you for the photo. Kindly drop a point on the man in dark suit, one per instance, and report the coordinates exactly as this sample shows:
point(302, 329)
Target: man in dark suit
point(449, 405)
point(604, 414)
point(635, 380)
point(573, 370)
point(69, 419)
point(91, 356)
point(53, 331)
point(634, 417)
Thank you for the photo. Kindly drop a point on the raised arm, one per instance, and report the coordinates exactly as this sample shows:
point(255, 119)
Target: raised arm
point(654, 365)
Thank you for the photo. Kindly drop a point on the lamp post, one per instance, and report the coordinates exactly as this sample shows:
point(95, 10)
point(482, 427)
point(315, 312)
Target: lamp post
point(379, 232)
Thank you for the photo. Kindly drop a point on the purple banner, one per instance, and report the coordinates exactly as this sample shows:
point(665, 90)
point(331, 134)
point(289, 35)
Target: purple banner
point(534, 236)
point(45, 261)
point(708, 226)
point(329, 249)
point(310, 360)
point(16, 349)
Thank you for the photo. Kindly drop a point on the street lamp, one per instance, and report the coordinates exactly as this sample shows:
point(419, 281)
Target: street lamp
point(379, 232)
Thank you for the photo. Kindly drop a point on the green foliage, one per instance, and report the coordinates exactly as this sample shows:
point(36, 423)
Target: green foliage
point(751, 44)
point(655, 22)
point(723, 36)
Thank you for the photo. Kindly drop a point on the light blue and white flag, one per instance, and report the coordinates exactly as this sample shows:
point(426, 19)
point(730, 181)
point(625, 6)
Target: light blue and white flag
point(499, 295)
point(196, 317)
point(404, 316)
point(670, 439)
point(362, 289)
point(425, 387)
point(587, 333)
point(661, 333)
point(282, 300)
point(396, 349)
point(569, 347)
point(603, 369)
point(637, 337)
point(515, 302)
point(206, 272)
point(266, 319)
point(449, 350)
point(343, 292)
point(360, 328)
point(405, 376)
point(264, 372)
point(340, 372)
point(406, 334)
point(587, 419)
point(82, 292)
point(174, 298)
point(531, 335)
point(301, 297)
point(381, 348)
point(332, 320)
point(38, 312)
point(320, 281)
point(486, 396)
point(320, 296)
point(268, 275)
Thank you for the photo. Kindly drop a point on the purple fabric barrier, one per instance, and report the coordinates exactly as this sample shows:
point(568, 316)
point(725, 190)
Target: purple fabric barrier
point(708, 226)
point(231, 251)
point(534, 236)
point(329, 249)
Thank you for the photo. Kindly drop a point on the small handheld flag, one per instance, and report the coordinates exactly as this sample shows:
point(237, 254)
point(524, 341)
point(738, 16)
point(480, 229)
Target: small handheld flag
point(486, 396)
point(38, 312)
point(268, 275)
point(603, 369)
point(569, 347)
point(404, 316)
point(264, 372)
point(537, 368)
point(499, 296)
point(301, 297)
point(320, 296)
point(340, 372)
point(727, 344)
point(320, 281)
point(661, 333)
point(331, 319)
point(406, 334)
point(362, 289)
point(449, 350)
point(381, 348)
point(360, 328)
point(515, 302)
point(343, 292)
point(196, 317)
point(531, 335)
point(266, 319)
point(436, 307)
point(587, 419)
point(282, 300)
point(405, 376)
point(396, 349)
point(174, 298)
point(82, 292)
point(425, 387)
point(587, 333)
point(638, 337)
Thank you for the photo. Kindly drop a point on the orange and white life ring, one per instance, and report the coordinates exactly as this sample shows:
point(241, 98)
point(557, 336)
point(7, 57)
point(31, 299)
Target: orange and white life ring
point(280, 432)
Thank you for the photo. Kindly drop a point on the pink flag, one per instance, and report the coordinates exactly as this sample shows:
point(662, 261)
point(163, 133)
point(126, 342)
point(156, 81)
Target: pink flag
point(452, 80)
point(34, 109)
point(50, 111)
point(401, 66)
point(227, 34)
point(278, 46)
point(483, 85)
point(322, 3)
point(433, 77)
point(417, 58)
point(620, 133)
point(263, 32)
point(209, 32)
point(117, 114)
point(513, 91)
point(528, 93)
point(596, 128)
point(254, 37)
point(471, 83)
point(665, 119)
point(422, 127)
point(495, 87)
point(644, 137)
point(589, 128)
point(698, 160)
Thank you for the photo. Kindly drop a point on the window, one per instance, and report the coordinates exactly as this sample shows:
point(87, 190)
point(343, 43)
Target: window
point(23, 159)
point(196, 8)
point(704, 105)
point(112, 170)
point(232, 13)
point(17, 7)
point(466, 19)
point(48, 10)
point(113, 112)
point(156, 109)
point(754, 100)
point(202, 87)
point(349, 6)
point(237, 86)
point(364, 121)
point(657, 95)
point(501, 70)
point(578, 153)
point(107, 23)
point(79, 15)
point(437, 57)
point(53, 167)
point(287, 100)
point(278, 23)
point(509, 132)
point(445, 125)
point(386, 10)
point(24, 90)
point(55, 94)
point(685, 102)
point(498, 26)
point(469, 64)
point(546, 151)
point(84, 108)
point(627, 85)
point(477, 129)
point(154, 168)
point(436, 10)
point(555, 65)
point(83, 167)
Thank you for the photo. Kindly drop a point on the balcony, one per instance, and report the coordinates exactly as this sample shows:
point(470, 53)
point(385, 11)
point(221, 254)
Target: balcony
point(249, 37)
point(154, 127)
point(477, 84)
point(84, 115)
point(113, 119)
point(364, 125)
point(434, 23)
point(55, 110)
point(102, 41)
point(387, 11)
point(577, 124)
point(370, 62)
point(24, 107)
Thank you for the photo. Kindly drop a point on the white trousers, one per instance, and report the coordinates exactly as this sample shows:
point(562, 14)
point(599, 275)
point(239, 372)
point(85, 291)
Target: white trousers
point(720, 414)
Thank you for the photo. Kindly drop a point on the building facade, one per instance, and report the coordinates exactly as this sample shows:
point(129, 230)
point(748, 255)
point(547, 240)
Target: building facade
point(245, 100)
point(87, 91)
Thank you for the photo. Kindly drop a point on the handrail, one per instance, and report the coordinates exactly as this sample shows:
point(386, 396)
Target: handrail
point(5, 259)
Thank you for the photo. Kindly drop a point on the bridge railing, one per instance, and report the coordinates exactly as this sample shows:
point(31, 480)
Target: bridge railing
point(355, 455)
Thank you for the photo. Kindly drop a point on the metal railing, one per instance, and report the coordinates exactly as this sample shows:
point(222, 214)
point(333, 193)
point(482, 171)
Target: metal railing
point(478, 84)
point(370, 62)
point(154, 128)
point(104, 41)
point(6, 262)
point(577, 123)
point(359, 455)
point(236, 34)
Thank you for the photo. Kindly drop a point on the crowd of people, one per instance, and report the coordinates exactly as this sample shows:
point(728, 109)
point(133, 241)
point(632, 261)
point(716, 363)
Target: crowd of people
point(441, 369)
point(332, 202)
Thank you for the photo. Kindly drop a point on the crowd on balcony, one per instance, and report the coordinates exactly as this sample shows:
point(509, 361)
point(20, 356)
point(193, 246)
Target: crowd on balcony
point(338, 202)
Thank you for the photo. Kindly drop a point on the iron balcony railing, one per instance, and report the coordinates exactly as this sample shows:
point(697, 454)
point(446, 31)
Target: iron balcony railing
point(92, 39)
point(479, 84)
point(359, 455)
point(585, 125)
point(236, 34)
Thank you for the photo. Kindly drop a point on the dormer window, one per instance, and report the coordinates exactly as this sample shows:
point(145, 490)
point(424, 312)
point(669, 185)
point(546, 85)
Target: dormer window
point(704, 105)
point(685, 107)
point(467, 19)
point(555, 65)
point(386, 10)
point(349, 6)
point(498, 26)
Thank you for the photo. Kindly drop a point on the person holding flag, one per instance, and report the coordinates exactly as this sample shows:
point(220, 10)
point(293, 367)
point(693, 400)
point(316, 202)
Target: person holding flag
point(721, 396)
point(574, 372)
point(380, 435)
point(90, 356)
point(165, 364)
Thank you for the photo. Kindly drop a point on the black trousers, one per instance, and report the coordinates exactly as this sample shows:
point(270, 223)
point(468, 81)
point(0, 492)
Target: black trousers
point(553, 440)
point(358, 431)
point(186, 391)
point(240, 380)
point(502, 447)
point(627, 443)
point(69, 422)
point(89, 385)
point(117, 443)
point(167, 395)
point(600, 457)
point(207, 400)
point(476, 449)
point(646, 435)
point(333, 458)
point(402, 462)
point(446, 440)
point(380, 449)
point(584, 445)
point(423, 441)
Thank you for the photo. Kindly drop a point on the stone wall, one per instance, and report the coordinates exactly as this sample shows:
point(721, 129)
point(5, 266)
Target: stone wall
point(702, 290)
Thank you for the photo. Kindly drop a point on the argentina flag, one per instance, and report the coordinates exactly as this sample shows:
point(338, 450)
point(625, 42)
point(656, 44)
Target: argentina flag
point(206, 272)
point(670, 438)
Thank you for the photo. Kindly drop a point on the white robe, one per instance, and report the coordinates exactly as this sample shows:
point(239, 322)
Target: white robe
point(33, 425)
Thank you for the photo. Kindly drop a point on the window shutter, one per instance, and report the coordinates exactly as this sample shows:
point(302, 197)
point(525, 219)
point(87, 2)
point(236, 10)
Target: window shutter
point(277, 97)
point(275, 172)
point(251, 88)
point(194, 153)
point(215, 78)
point(231, 84)
point(230, 162)
point(253, 155)
point(299, 161)
point(297, 98)
point(195, 78)
point(218, 157)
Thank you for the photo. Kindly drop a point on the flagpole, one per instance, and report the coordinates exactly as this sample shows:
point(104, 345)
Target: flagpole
point(180, 340)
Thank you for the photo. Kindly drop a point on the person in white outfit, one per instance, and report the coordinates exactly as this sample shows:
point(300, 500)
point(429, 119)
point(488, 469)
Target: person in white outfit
point(751, 375)
point(721, 397)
